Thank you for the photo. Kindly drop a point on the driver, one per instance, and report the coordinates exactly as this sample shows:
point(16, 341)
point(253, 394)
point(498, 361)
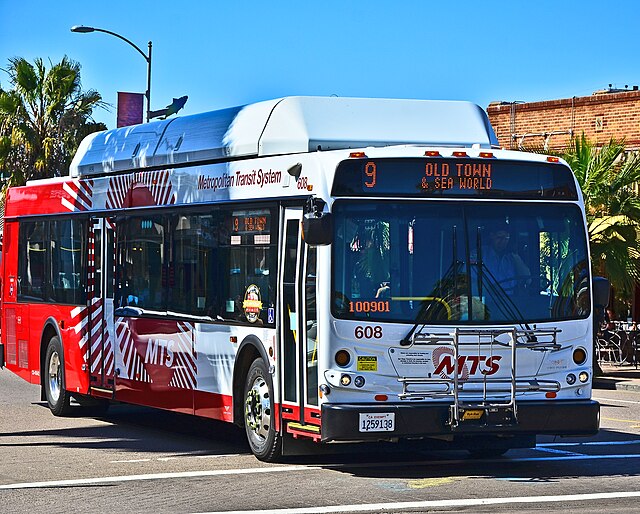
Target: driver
point(507, 267)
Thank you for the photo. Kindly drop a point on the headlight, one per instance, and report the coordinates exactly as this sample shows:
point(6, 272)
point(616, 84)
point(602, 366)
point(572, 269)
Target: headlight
point(345, 380)
point(583, 376)
point(571, 379)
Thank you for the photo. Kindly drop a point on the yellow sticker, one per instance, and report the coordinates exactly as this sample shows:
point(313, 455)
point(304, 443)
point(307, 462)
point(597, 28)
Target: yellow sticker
point(472, 414)
point(367, 363)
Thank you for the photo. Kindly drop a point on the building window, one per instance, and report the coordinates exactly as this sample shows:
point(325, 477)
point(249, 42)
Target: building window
point(599, 123)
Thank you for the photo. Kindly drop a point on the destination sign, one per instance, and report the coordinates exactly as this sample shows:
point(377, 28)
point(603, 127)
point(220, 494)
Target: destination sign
point(459, 177)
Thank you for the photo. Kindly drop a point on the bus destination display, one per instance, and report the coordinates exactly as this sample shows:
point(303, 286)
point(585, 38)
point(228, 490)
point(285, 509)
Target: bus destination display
point(463, 177)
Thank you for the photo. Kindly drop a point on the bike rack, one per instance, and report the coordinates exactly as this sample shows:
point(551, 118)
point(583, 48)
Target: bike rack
point(486, 401)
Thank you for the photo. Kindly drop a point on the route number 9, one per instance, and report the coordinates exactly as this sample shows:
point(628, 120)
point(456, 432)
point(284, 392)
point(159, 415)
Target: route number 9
point(370, 171)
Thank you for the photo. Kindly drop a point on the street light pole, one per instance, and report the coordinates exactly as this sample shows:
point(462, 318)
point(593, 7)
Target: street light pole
point(147, 57)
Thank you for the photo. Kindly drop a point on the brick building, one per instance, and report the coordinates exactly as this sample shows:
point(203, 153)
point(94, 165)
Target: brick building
point(551, 124)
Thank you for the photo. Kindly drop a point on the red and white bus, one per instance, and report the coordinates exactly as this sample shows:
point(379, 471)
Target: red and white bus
point(321, 269)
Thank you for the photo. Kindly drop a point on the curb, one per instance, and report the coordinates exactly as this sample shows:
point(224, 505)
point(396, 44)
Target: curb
point(617, 384)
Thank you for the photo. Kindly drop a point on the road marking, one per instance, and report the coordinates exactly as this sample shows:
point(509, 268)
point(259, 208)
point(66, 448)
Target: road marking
point(590, 443)
point(558, 452)
point(166, 459)
point(470, 502)
point(156, 476)
point(616, 400)
point(622, 420)
point(288, 469)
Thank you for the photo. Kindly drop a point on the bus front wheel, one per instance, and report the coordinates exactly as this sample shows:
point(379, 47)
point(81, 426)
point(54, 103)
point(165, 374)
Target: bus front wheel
point(259, 413)
point(58, 398)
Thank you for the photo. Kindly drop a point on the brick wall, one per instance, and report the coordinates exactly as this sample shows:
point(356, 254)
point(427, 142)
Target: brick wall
point(600, 116)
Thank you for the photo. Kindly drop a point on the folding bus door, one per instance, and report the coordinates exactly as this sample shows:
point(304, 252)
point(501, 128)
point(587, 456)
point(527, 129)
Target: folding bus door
point(101, 331)
point(298, 338)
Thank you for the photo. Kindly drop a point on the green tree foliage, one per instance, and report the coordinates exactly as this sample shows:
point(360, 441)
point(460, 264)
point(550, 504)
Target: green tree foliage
point(609, 178)
point(43, 118)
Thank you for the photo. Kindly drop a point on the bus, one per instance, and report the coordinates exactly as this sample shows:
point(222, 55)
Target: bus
point(315, 270)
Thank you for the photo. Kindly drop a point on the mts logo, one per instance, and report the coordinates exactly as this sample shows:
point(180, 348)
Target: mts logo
point(467, 364)
point(159, 351)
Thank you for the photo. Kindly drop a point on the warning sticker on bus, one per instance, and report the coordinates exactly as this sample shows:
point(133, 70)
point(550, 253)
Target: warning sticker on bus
point(367, 363)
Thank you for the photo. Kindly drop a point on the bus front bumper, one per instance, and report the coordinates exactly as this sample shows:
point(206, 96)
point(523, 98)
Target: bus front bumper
point(560, 417)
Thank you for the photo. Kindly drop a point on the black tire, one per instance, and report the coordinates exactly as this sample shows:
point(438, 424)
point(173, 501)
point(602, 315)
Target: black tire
point(53, 379)
point(259, 413)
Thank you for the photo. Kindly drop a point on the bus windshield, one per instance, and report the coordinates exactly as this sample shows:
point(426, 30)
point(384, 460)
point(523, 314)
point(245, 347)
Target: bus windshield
point(459, 262)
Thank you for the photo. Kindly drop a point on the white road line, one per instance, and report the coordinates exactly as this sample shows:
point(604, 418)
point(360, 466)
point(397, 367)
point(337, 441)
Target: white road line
point(471, 502)
point(557, 452)
point(616, 400)
point(155, 476)
point(288, 469)
point(590, 443)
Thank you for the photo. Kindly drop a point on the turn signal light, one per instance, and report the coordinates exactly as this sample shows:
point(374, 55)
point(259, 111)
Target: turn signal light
point(342, 358)
point(579, 356)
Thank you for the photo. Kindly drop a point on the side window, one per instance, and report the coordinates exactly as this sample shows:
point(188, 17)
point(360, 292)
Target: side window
point(248, 261)
point(32, 261)
point(194, 265)
point(141, 263)
point(68, 270)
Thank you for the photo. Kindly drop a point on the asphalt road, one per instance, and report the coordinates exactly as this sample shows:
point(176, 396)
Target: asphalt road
point(141, 460)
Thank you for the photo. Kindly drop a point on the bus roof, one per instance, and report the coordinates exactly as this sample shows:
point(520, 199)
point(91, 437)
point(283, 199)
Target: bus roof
point(283, 126)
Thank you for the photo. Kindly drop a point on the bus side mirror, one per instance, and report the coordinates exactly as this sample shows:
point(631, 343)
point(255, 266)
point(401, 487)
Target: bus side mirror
point(601, 289)
point(317, 226)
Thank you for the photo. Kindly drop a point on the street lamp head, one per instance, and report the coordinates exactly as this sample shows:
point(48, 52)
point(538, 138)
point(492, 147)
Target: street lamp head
point(82, 29)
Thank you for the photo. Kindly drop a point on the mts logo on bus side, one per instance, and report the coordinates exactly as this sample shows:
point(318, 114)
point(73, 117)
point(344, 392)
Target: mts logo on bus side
point(160, 351)
point(468, 364)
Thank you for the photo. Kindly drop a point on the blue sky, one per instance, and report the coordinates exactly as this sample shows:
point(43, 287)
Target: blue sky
point(223, 54)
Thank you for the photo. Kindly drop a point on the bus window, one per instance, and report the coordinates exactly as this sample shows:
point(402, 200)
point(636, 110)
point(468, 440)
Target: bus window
point(141, 259)
point(68, 272)
point(32, 261)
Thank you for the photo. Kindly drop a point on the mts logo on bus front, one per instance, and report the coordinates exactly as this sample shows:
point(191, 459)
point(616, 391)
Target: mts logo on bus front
point(444, 363)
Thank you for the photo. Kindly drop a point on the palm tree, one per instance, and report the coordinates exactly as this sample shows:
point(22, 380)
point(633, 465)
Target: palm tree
point(608, 178)
point(43, 118)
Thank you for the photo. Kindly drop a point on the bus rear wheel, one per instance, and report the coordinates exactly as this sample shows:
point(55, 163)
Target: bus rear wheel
point(259, 413)
point(58, 398)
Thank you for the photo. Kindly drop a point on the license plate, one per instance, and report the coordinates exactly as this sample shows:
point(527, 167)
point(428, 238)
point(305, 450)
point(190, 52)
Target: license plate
point(383, 422)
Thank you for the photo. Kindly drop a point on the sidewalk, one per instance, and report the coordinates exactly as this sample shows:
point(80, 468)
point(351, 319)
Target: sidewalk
point(621, 378)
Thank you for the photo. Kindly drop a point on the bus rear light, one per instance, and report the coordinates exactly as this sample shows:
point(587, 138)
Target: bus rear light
point(486, 155)
point(583, 376)
point(459, 154)
point(358, 155)
point(381, 397)
point(342, 358)
point(553, 159)
point(551, 394)
point(432, 153)
point(579, 356)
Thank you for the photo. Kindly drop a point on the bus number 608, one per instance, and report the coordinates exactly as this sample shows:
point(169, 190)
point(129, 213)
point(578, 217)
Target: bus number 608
point(368, 332)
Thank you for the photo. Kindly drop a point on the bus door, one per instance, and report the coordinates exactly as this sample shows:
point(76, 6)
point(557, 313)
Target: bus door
point(298, 338)
point(101, 330)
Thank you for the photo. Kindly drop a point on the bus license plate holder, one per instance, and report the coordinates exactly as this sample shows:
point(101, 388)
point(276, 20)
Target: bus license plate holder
point(377, 422)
